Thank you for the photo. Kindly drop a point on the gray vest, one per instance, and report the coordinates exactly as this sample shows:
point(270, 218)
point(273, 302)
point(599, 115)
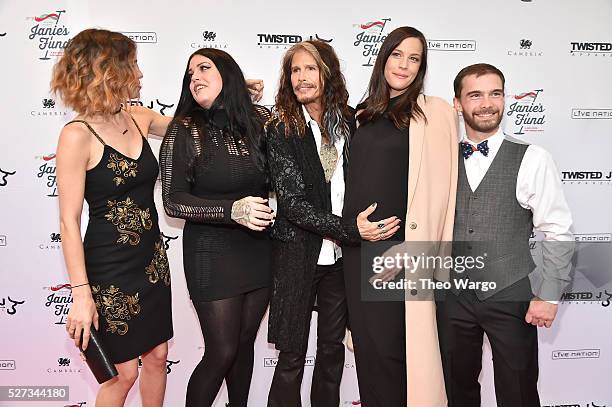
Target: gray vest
point(490, 220)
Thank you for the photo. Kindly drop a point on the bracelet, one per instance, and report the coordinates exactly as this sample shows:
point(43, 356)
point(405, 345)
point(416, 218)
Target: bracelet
point(80, 285)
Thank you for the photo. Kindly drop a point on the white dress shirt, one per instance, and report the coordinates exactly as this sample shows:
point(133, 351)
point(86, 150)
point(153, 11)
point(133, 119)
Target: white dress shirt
point(330, 251)
point(538, 187)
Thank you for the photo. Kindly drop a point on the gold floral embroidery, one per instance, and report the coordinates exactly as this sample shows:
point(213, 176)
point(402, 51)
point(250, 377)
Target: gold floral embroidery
point(129, 219)
point(116, 307)
point(122, 168)
point(159, 268)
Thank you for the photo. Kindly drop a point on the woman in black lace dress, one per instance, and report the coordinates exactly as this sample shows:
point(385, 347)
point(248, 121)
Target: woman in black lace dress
point(214, 176)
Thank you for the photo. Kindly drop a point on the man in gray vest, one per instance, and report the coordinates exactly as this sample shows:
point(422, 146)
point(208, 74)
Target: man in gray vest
point(506, 189)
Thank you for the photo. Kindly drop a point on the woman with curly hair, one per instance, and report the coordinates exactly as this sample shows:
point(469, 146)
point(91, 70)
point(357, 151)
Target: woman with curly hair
point(119, 274)
point(214, 175)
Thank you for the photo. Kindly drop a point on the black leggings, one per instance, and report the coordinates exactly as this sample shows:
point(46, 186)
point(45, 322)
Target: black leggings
point(229, 327)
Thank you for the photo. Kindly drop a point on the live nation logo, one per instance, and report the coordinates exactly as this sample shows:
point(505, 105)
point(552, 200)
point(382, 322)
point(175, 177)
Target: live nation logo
point(58, 299)
point(580, 113)
point(209, 39)
point(49, 34)
point(591, 49)
point(576, 354)
point(587, 177)
point(525, 112)
point(369, 38)
point(141, 37)
point(271, 362)
point(451, 45)
point(525, 49)
point(46, 172)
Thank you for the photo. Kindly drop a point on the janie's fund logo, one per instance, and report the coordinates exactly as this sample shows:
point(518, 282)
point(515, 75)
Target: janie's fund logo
point(525, 113)
point(49, 35)
point(369, 38)
point(46, 172)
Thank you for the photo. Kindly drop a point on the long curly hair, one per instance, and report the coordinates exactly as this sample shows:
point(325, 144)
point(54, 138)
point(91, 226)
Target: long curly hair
point(336, 113)
point(378, 94)
point(97, 72)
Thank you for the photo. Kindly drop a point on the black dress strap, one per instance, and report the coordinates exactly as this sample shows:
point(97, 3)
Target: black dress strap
point(90, 129)
point(137, 126)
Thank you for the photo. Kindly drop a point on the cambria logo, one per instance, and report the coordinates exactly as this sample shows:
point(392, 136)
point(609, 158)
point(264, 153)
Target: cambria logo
point(48, 103)
point(208, 39)
point(525, 50)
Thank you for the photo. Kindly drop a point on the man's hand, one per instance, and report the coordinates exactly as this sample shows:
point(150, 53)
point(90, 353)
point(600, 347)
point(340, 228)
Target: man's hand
point(541, 313)
point(256, 87)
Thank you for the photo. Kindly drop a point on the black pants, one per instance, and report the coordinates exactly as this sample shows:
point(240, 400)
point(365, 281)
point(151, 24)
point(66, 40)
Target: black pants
point(328, 290)
point(462, 321)
point(378, 329)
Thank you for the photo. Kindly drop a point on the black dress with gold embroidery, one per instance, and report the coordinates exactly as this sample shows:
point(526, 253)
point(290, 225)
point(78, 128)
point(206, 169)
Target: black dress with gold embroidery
point(125, 256)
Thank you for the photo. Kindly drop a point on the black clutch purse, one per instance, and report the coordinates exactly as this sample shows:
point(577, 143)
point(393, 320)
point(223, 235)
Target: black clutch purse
point(97, 359)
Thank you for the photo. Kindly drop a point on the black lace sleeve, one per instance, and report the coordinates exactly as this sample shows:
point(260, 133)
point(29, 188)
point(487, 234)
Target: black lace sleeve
point(178, 200)
point(291, 192)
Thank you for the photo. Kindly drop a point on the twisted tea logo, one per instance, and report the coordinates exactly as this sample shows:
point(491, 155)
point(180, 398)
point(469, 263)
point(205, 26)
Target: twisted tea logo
point(47, 30)
point(48, 103)
point(4, 175)
point(526, 44)
point(369, 38)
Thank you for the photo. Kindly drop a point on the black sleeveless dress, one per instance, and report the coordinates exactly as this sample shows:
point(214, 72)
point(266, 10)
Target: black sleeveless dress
point(125, 256)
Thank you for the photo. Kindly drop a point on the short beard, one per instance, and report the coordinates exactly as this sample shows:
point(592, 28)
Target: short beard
point(482, 128)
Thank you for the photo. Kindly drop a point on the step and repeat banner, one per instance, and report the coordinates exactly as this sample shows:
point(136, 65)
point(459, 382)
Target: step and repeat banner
point(557, 57)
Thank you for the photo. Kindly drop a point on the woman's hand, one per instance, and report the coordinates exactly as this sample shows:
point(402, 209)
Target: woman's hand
point(252, 212)
point(81, 315)
point(255, 87)
point(375, 231)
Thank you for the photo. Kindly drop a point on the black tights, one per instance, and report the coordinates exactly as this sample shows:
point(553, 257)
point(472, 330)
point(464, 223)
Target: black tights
point(229, 327)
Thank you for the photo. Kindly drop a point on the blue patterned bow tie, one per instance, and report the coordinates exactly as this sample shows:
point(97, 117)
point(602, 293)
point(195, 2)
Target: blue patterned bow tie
point(468, 149)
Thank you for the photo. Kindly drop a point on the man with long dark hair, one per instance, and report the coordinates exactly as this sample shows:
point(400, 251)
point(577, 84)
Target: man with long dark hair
point(307, 155)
